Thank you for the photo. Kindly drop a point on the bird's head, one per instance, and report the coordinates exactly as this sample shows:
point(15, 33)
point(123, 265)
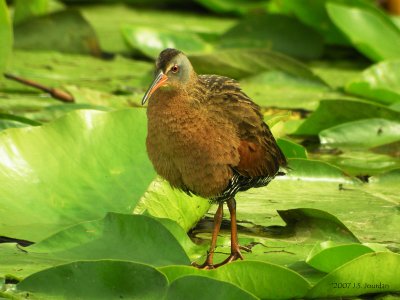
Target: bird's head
point(173, 70)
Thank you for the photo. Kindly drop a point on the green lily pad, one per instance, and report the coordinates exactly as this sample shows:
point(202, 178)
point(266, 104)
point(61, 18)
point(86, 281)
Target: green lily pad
point(151, 41)
point(55, 69)
point(25, 104)
point(12, 121)
point(275, 32)
point(387, 179)
point(314, 14)
point(240, 7)
point(239, 63)
point(370, 31)
point(327, 256)
point(339, 72)
point(379, 82)
point(264, 280)
point(108, 20)
point(202, 287)
point(396, 20)
point(117, 236)
point(6, 36)
point(369, 273)
point(335, 112)
point(366, 133)
point(384, 186)
point(16, 263)
point(314, 170)
point(81, 36)
point(291, 149)
point(31, 9)
point(361, 162)
point(163, 201)
point(104, 279)
point(278, 88)
point(74, 169)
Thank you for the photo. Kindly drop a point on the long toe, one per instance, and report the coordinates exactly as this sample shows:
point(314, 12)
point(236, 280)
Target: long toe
point(204, 266)
point(232, 257)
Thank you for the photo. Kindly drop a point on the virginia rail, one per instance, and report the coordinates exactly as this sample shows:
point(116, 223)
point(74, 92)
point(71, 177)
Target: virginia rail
point(207, 137)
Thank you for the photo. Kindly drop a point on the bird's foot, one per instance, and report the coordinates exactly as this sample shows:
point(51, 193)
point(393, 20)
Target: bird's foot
point(235, 255)
point(204, 266)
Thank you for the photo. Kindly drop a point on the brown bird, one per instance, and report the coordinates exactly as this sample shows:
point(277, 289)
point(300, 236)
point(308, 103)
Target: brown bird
point(206, 137)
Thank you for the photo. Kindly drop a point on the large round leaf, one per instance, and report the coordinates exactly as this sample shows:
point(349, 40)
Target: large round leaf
point(281, 89)
point(204, 288)
point(327, 256)
point(335, 112)
point(104, 279)
point(117, 236)
point(313, 13)
point(365, 133)
point(151, 41)
point(74, 169)
point(291, 149)
point(274, 32)
point(369, 30)
point(239, 63)
point(81, 36)
point(5, 35)
point(380, 82)
point(60, 69)
point(369, 273)
point(109, 19)
point(265, 280)
point(163, 201)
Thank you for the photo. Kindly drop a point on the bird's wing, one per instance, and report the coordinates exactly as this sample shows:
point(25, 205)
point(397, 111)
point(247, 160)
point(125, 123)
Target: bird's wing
point(259, 153)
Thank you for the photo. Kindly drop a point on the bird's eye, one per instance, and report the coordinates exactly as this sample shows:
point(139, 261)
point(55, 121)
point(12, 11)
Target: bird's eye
point(175, 69)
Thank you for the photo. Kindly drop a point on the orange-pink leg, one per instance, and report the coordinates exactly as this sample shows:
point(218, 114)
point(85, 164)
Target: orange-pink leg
point(208, 264)
point(235, 248)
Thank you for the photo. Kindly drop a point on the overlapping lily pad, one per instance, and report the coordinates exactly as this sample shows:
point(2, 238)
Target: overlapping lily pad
point(116, 236)
point(327, 256)
point(313, 13)
point(81, 36)
point(278, 88)
point(74, 169)
point(151, 42)
point(108, 20)
point(162, 201)
point(360, 276)
point(205, 288)
point(335, 112)
point(370, 31)
point(275, 32)
point(5, 35)
point(265, 280)
point(365, 133)
point(105, 279)
point(55, 69)
point(239, 63)
point(379, 82)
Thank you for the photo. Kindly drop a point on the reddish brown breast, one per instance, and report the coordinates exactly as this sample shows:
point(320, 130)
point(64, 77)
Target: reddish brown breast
point(188, 147)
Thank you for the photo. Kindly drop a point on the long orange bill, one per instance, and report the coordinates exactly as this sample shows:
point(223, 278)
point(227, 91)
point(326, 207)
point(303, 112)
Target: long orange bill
point(160, 80)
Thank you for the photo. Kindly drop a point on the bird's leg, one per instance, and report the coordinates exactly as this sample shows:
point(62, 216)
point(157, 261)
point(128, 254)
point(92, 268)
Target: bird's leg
point(208, 264)
point(235, 248)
